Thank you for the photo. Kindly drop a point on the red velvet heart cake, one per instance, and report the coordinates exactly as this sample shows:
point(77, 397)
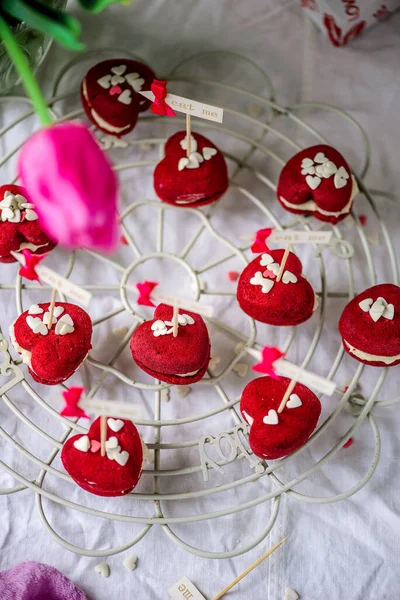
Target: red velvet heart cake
point(180, 360)
point(109, 94)
point(52, 355)
point(370, 326)
point(319, 181)
point(272, 434)
point(290, 301)
point(115, 474)
point(19, 225)
point(191, 181)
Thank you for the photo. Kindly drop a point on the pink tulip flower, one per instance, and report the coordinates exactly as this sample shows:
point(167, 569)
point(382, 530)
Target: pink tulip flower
point(72, 185)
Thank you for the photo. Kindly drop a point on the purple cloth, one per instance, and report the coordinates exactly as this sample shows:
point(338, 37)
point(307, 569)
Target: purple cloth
point(35, 581)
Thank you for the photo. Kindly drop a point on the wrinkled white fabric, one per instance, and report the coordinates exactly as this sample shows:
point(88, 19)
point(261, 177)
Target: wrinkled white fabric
point(344, 550)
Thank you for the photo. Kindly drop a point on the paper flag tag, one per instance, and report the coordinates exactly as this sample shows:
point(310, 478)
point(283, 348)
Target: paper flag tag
point(60, 283)
point(300, 237)
point(185, 303)
point(184, 589)
point(190, 107)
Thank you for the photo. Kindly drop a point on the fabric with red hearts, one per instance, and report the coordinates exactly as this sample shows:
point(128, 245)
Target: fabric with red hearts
point(165, 357)
point(190, 187)
point(98, 474)
point(285, 303)
point(294, 425)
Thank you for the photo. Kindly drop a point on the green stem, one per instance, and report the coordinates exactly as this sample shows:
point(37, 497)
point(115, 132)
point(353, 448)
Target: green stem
point(28, 79)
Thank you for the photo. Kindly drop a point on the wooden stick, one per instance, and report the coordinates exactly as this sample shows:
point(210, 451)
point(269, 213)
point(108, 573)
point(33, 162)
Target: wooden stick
point(188, 135)
point(283, 263)
point(51, 307)
point(286, 395)
point(103, 434)
point(247, 571)
point(175, 322)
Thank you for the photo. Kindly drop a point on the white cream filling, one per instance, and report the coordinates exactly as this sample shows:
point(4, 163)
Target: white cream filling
point(186, 374)
point(388, 360)
point(96, 117)
point(26, 355)
point(310, 205)
point(29, 246)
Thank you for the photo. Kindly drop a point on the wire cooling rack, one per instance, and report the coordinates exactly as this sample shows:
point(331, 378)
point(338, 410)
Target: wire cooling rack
point(194, 249)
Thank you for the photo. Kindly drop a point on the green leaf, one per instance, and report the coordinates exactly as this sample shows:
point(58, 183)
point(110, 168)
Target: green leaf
point(96, 6)
point(58, 25)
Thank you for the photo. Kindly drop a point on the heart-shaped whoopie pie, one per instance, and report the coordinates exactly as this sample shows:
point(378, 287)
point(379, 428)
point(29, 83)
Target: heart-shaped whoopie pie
point(52, 355)
point(319, 181)
point(115, 474)
point(370, 326)
point(109, 94)
point(290, 301)
point(272, 434)
point(179, 360)
point(19, 225)
point(195, 181)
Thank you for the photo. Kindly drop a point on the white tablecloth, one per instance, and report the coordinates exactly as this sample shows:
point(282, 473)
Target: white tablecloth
point(343, 550)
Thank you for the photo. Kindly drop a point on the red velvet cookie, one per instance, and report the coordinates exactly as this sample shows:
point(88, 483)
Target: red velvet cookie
point(195, 181)
point(274, 435)
point(319, 181)
point(52, 355)
point(19, 225)
point(109, 94)
point(370, 326)
point(290, 301)
point(180, 360)
point(115, 474)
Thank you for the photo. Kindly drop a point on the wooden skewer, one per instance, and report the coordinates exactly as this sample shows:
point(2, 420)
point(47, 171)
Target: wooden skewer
point(103, 434)
point(51, 307)
point(286, 395)
point(283, 263)
point(188, 135)
point(247, 571)
point(175, 322)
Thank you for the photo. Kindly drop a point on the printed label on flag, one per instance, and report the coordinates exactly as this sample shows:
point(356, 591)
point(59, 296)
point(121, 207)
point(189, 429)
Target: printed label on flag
point(190, 107)
point(60, 283)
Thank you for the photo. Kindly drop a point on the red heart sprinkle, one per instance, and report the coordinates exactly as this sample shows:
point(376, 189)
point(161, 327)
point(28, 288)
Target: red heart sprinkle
point(115, 90)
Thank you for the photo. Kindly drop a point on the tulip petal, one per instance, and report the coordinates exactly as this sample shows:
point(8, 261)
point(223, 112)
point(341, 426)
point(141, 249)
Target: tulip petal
point(71, 182)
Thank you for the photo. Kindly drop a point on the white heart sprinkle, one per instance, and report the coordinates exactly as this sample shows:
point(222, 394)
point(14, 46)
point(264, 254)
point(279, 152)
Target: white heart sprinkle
point(266, 259)
point(183, 320)
point(340, 179)
point(183, 163)
point(306, 162)
point(308, 171)
point(248, 418)
point(320, 158)
point(377, 310)
point(294, 401)
point(105, 82)
point(209, 153)
point(274, 268)
point(115, 424)
point(290, 594)
point(26, 204)
point(112, 443)
point(58, 310)
point(191, 162)
point(113, 452)
point(271, 418)
point(313, 182)
point(46, 318)
point(326, 170)
point(35, 310)
point(7, 200)
point(389, 312)
point(289, 277)
point(135, 81)
point(130, 562)
point(122, 458)
point(193, 143)
point(240, 369)
point(82, 444)
point(116, 79)
point(158, 325)
point(103, 569)
point(7, 214)
point(120, 70)
point(266, 284)
point(37, 325)
point(366, 304)
point(125, 97)
point(64, 325)
point(30, 215)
